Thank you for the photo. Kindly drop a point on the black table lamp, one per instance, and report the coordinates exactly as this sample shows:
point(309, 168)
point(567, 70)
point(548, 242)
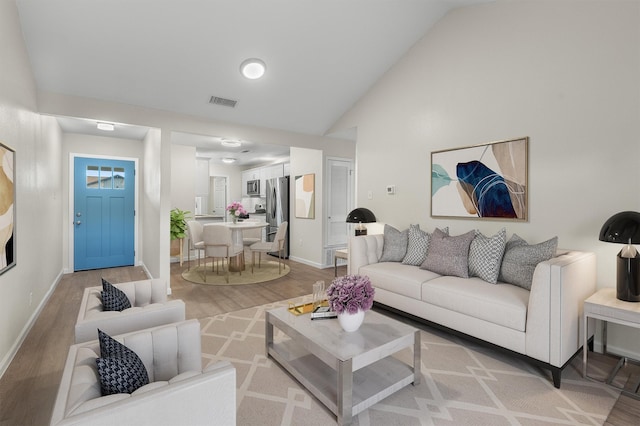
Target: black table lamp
point(624, 228)
point(360, 216)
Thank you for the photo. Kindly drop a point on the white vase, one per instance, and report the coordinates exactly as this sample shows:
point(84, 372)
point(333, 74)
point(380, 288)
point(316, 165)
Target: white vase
point(351, 322)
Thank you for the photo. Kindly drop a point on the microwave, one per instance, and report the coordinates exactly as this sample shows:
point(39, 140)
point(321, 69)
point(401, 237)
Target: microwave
point(253, 187)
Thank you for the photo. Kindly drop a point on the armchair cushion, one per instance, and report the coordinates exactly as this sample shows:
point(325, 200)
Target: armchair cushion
point(113, 299)
point(120, 369)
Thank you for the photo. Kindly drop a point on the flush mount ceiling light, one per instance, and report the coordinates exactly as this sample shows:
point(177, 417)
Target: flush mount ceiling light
point(230, 143)
point(106, 126)
point(228, 160)
point(253, 68)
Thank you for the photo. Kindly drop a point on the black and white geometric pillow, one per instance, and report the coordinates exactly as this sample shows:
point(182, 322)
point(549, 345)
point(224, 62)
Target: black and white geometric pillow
point(120, 369)
point(417, 246)
point(485, 255)
point(113, 299)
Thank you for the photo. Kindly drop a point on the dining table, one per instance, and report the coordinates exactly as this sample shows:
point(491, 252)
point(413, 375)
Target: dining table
point(237, 263)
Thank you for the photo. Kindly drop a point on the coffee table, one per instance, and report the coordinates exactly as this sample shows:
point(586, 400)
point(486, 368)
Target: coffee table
point(347, 372)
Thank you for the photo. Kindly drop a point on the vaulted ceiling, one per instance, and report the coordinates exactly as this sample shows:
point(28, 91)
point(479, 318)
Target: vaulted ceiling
point(174, 55)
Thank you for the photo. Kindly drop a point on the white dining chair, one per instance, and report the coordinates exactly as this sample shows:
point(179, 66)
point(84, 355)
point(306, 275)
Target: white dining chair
point(219, 245)
point(251, 236)
point(196, 240)
point(277, 245)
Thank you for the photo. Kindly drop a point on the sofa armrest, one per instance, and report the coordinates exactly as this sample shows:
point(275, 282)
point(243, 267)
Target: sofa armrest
point(201, 399)
point(364, 250)
point(560, 286)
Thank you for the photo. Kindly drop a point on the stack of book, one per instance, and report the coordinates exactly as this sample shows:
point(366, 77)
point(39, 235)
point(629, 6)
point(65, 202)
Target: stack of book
point(322, 312)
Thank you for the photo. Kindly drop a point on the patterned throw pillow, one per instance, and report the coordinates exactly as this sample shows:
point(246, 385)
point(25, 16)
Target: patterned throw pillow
point(485, 255)
point(120, 369)
point(113, 299)
point(417, 246)
point(395, 244)
point(449, 255)
point(520, 260)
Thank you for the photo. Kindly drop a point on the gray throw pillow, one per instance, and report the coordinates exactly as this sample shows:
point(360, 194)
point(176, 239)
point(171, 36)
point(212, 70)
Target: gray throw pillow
point(520, 260)
point(449, 255)
point(485, 255)
point(395, 244)
point(417, 246)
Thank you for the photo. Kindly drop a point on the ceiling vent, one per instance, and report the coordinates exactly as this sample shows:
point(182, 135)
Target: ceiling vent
point(222, 101)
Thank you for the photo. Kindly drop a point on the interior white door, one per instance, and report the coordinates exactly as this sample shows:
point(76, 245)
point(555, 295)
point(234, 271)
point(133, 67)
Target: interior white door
point(219, 186)
point(339, 200)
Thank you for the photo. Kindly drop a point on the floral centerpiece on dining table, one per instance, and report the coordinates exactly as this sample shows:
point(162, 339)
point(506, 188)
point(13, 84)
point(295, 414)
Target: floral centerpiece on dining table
point(235, 209)
point(350, 296)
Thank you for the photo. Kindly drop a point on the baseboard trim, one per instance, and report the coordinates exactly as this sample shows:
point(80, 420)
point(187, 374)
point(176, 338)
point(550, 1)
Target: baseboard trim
point(6, 361)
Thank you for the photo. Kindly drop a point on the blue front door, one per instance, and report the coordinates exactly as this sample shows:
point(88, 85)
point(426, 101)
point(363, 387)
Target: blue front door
point(104, 215)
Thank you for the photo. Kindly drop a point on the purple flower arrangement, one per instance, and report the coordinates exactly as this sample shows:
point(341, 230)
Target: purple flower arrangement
point(236, 209)
point(349, 293)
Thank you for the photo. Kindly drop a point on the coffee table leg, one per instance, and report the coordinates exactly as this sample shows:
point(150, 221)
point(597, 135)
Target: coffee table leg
point(268, 333)
point(345, 392)
point(417, 365)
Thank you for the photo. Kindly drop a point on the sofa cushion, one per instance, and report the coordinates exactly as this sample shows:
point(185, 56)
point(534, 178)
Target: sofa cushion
point(119, 368)
point(449, 255)
point(485, 255)
point(520, 260)
point(395, 244)
point(398, 278)
point(501, 304)
point(113, 299)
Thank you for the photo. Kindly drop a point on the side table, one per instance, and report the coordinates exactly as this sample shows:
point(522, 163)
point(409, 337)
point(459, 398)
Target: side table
point(339, 254)
point(604, 306)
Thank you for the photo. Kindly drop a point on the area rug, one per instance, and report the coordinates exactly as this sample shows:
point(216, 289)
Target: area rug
point(462, 384)
point(267, 271)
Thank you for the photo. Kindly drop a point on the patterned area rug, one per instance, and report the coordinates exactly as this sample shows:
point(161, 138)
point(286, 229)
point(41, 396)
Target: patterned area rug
point(267, 271)
point(463, 384)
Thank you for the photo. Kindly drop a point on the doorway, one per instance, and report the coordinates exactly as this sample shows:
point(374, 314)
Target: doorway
point(103, 213)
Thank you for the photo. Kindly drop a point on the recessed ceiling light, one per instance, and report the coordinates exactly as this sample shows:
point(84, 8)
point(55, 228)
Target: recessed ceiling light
point(228, 160)
point(230, 143)
point(106, 126)
point(253, 68)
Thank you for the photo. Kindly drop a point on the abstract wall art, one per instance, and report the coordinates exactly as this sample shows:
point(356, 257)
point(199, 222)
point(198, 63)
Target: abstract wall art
point(7, 208)
point(487, 181)
point(305, 196)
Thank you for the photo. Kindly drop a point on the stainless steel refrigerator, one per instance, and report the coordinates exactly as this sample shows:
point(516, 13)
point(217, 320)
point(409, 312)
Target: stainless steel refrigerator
point(277, 209)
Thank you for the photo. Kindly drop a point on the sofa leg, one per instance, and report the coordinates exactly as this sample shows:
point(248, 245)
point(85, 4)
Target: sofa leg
point(557, 375)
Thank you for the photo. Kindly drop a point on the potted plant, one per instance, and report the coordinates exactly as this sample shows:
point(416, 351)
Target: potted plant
point(178, 229)
point(350, 296)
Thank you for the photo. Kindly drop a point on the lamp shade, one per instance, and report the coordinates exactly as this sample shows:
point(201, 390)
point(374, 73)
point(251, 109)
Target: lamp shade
point(361, 215)
point(622, 228)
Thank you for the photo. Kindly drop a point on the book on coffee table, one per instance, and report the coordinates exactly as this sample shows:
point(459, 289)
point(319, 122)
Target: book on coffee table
point(323, 312)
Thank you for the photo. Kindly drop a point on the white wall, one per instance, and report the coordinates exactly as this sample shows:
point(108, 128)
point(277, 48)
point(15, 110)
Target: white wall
point(306, 237)
point(563, 73)
point(183, 178)
point(154, 250)
point(36, 141)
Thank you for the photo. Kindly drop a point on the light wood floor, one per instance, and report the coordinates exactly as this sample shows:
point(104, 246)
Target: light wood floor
point(29, 386)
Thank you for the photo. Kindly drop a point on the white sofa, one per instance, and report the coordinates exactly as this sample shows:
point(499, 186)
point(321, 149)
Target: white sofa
point(179, 392)
point(542, 324)
point(149, 308)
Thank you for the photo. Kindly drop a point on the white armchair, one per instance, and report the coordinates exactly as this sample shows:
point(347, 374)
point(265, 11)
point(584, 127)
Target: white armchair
point(179, 391)
point(149, 308)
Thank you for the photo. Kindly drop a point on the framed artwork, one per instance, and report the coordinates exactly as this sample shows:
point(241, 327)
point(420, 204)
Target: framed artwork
point(7, 208)
point(487, 181)
point(305, 196)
